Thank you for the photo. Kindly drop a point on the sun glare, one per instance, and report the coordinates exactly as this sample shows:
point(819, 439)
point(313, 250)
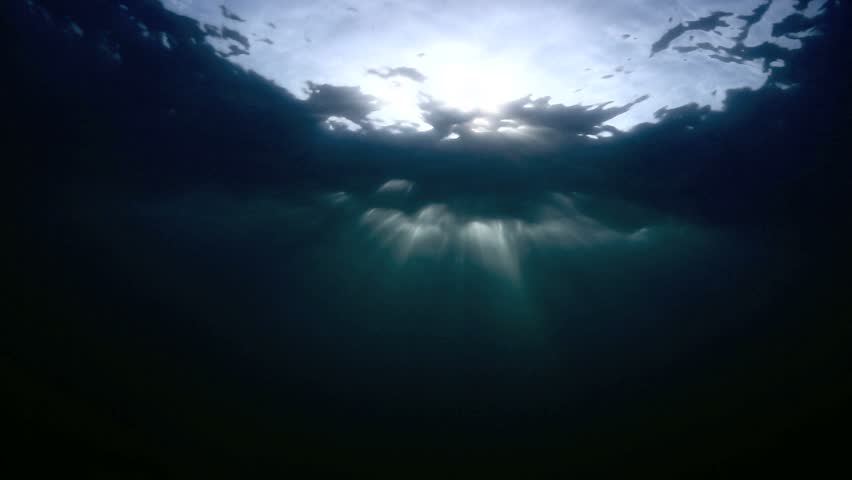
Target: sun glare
point(481, 84)
point(463, 80)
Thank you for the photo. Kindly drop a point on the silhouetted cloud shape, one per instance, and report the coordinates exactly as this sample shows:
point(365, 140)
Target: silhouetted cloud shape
point(708, 23)
point(212, 31)
point(230, 15)
point(236, 36)
point(575, 119)
point(347, 102)
point(794, 24)
point(534, 116)
point(802, 4)
point(442, 117)
point(228, 34)
point(791, 26)
point(406, 72)
point(752, 19)
point(234, 50)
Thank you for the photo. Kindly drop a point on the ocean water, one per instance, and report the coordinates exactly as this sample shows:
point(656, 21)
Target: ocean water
point(209, 272)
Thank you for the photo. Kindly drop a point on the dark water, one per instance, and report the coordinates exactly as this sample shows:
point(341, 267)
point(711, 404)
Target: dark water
point(201, 280)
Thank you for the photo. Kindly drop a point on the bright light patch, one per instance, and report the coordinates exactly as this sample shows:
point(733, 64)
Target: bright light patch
point(468, 80)
point(341, 123)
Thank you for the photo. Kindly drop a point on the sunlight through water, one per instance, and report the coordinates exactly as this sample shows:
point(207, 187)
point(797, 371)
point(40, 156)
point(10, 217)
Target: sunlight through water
point(476, 57)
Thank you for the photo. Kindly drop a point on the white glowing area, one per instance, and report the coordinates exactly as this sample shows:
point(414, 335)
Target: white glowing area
point(478, 55)
point(460, 76)
point(467, 80)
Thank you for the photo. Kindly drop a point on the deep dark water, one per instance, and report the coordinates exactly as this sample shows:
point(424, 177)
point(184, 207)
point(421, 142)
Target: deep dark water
point(188, 295)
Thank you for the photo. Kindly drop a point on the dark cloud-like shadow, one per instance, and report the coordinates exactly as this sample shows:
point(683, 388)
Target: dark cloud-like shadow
point(791, 26)
point(750, 20)
point(405, 72)
point(236, 36)
point(571, 120)
point(442, 117)
point(708, 23)
point(525, 119)
point(230, 15)
point(347, 102)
